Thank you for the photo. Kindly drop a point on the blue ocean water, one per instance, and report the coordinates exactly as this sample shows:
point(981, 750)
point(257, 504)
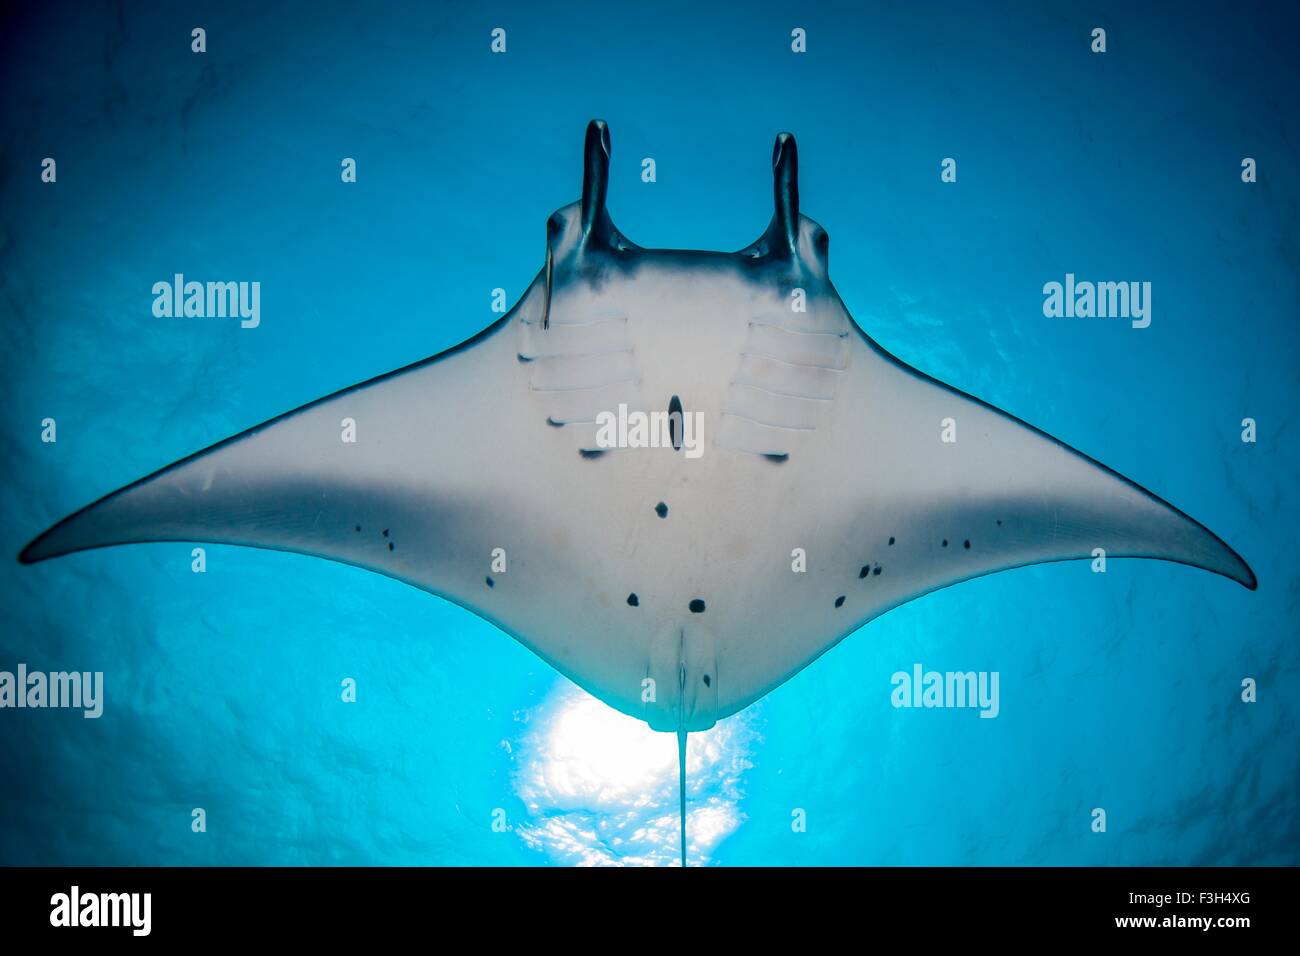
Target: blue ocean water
point(1118, 691)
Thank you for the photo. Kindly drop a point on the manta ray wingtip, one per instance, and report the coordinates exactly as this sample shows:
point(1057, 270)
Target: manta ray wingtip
point(36, 550)
point(1227, 563)
point(1245, 575)
point(1211, 553)
point(48, 544)
point(57, 540)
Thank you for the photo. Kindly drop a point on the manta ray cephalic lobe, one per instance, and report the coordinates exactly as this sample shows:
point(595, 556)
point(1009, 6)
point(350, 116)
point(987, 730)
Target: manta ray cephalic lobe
point(660, 581)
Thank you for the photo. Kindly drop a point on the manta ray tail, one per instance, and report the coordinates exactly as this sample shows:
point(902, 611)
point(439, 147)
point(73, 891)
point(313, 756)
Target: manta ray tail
point(681, 782)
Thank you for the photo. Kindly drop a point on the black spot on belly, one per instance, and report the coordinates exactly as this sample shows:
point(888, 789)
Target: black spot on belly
point(966, 544)
point(357, 528)
point(675, 422)
point(866, 569)
point(945, 542)
point(661, 510)
point(891, 542)
point(633, 600)
point(839, 601)
point(697, 606)
point(385, 532)
point(876, 570)
point(390, 546)
point(999, 522)
point(489, 582)
point(707, 682)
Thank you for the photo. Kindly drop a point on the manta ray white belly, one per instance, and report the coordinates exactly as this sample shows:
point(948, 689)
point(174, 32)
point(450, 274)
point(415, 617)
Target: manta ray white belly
point(665, 585)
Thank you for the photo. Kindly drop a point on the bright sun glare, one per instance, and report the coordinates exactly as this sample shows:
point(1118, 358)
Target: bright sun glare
point(595, 750)
point(601, 787)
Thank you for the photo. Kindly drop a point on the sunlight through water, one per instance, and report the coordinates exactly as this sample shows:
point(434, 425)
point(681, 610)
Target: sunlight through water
point(601, 787)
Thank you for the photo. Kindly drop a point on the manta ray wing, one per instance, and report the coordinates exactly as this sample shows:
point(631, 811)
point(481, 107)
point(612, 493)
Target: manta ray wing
point(346, 477)
point(925, 487)
point(986, 491)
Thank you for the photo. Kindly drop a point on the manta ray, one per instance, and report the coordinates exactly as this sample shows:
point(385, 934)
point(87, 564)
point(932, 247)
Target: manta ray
point(835, 482)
